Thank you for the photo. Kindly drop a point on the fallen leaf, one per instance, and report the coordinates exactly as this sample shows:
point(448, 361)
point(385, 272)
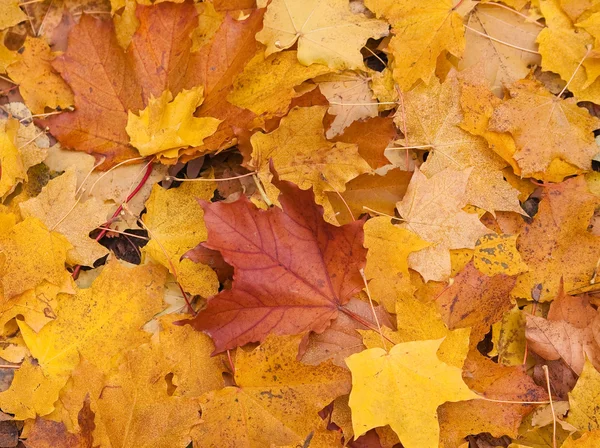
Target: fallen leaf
point(419, 381)
point(293, 271)
point(327, 32)
point(475, 300)
point(559, 124)
point(420, 35)
point(350, 98)
point(557, 243)
point(498, 254)
point(503, 64)
point(388, 247)
point(40, 86)
point(11, 14)
point(435, 125)
point(60, 210)
point(168, 124)
point(302, 155)
point(176, 225)
point(31, 254)
point(266, 86)
point(370, 193)
point(583, 400)
point(587, 440)
point(276, 401)
point(432, 208)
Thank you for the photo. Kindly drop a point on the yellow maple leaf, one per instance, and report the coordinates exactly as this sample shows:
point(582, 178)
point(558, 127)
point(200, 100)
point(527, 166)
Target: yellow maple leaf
point(97, 324)
point(39, 84)
point(563, 130)
point(57, 207)
point(403, 388)
point(432, 208)
point(387, 259)
point(10, 14)
point(587, 440)
point(13, 170)
point(350, 99)
point(167, 125)
point(498, 254)
point(422, 33)
point(302, 155)
point(276, 401)
point(29, 255)
point(138, 396)
point(176, 223)
point(266, 86)
point(7, 57)
point(327, 31)
point(432, 117)
point(583, 400)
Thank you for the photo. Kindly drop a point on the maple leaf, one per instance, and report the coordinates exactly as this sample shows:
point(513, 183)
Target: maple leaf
point(341, 339)
point(326, 31)
point(137, 394)
point(302, 155)
point(417, 378)
point(168, 124)
point(40, 86)
point(293, 271)
point(370, 191)
point(583, 400)
point(559, 124)
point(96, 323)
point(266, 86)
point(432, 208)
point(11, 14)
point(567, 334)
point(420, 35)
point(176, 225)
point(280, 407)
point(503, 64)
point(372, 136)
point(30, 254)
point(498, 254)
point(557, 243)
point(475, 300)
point(349, 88)
point(496, 382)
point(388, 247)
point(58, 208)
point(431, 120)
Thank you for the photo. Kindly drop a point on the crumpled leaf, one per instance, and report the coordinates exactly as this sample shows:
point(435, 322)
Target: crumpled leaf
point(266, 86)
point(432, 208)
point(388, 247)
point(475, 300)
point(557, 243)
point(39, 84)
point(59, 209)
point(176, 224)
point(560, 124)
point(583, 400)
point(302, 155)
point(293, 271)
point(349, 88)
point(280, 407)
point(420, 35)
point(97, 324)
point(326, 31)
point(387, 388)
point(168, 124)
point(433, 116)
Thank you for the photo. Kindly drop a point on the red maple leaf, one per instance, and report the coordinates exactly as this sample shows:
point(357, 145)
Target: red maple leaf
point(293, 270)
